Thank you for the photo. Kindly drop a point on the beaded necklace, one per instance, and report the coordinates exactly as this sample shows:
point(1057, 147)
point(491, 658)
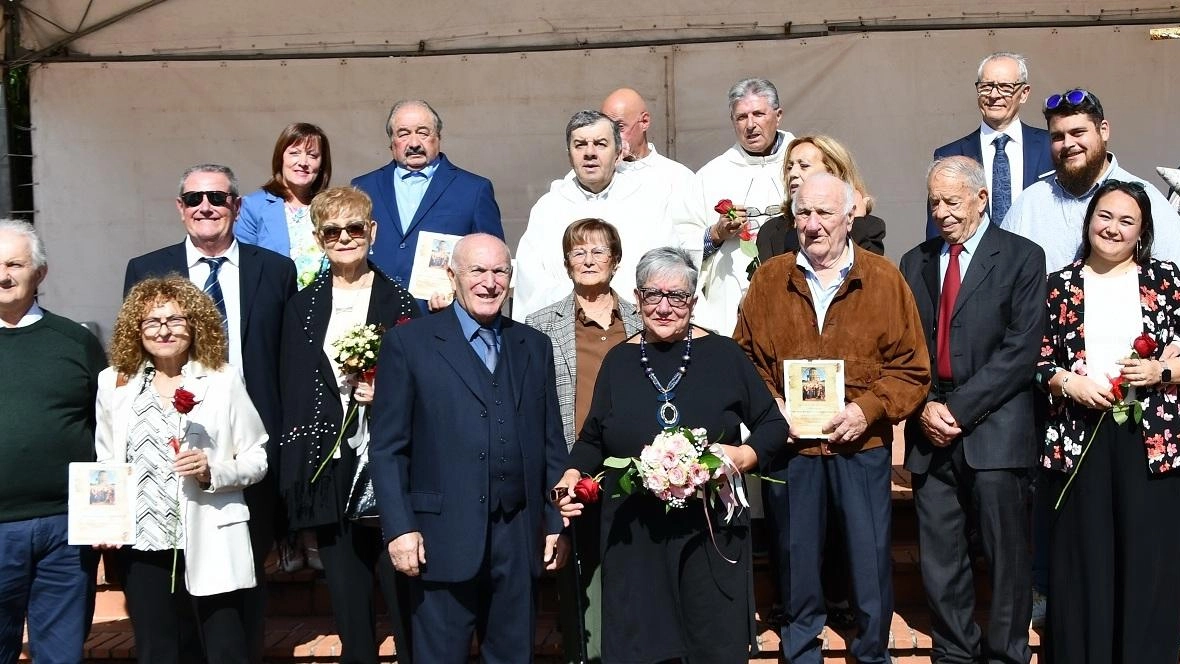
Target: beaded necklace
point(667, 414)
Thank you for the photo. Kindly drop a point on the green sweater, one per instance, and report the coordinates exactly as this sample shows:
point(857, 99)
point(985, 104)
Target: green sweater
point(48, 381)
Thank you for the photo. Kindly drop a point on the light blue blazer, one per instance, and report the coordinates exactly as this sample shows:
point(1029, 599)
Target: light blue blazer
point(263, 221)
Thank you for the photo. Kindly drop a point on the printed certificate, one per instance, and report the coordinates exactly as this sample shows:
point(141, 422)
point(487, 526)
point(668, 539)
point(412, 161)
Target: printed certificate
point(429, 273)
point(814, 394)
point(101, 503)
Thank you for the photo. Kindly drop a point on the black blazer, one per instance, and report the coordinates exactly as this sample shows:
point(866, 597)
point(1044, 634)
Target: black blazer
point(431, 437)
point(312, 412)
point(997, 325)
point(1037, 160)
point(267, 281)
point(778, 236)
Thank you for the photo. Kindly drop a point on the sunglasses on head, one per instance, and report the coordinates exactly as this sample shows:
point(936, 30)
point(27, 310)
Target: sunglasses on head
point(1072, 98)
point(355, 230)
point(216, 198)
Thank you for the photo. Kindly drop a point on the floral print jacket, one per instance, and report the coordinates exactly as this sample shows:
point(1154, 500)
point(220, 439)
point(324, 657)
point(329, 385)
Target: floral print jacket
point(1069, 424)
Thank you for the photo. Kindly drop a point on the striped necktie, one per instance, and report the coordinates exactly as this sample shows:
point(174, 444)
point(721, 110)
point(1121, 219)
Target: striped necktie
point(213, 288)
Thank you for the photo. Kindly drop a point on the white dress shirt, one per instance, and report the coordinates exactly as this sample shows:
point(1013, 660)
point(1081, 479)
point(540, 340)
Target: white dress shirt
point(231, 290)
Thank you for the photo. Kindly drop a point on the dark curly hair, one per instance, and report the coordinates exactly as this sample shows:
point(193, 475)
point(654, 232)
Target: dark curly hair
point(208, 342)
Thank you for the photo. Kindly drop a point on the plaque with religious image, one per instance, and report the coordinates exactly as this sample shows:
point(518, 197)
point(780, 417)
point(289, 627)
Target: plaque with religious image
point(101, 504)
point(814, 394)
point(431, 256)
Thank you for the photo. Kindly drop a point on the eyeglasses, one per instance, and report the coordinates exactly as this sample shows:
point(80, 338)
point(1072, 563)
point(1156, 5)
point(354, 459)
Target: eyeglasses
point(355, 229)
point(174, 323)
point(1072, 98)
point(1005, 89)
point(653, 296)
point(771, 211)
point(599, 254)
point(216, 198)
point(805, 213)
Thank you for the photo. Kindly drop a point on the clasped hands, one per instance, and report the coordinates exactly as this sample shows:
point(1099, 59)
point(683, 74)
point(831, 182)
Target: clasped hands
point(1099, 396)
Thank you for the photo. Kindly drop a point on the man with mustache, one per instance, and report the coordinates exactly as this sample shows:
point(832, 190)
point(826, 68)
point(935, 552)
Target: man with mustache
point(421, 190)
point(749, 173)
point(1050, 212)
point(637, 210)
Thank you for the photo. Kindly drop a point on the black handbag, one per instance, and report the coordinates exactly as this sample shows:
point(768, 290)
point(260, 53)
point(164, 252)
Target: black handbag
point(362, 501)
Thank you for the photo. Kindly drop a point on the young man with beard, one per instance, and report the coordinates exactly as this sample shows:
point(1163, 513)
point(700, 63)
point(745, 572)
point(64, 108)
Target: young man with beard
point(1050, 211)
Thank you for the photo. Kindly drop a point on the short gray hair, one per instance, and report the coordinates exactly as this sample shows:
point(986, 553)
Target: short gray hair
point(666, 261)
point(26, 230)
point(753, 86)
point(211, 168)
point(453, 263)
point(1021, 64)
point(966, 169)
point(587, 117)
point(400, 104)
point(846, 188)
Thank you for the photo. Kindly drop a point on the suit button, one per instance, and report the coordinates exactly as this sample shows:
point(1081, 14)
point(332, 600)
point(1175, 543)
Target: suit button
point(501, 477)
point(402, 245)
point(482, 456)
point(483, 413)
point(499, 420)
point(503, 460)
point(483, 499)
point(495, 384)
point(499, 403)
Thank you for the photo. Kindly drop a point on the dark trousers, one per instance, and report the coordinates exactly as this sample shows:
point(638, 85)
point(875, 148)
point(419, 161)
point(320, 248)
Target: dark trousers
point(262, 499)
point(1114, 594)
point(579, 586)
point(856, 485)
point(172, 627)
point(497, 605)
point(949, 498)
point(49, 582)
point(352, 554)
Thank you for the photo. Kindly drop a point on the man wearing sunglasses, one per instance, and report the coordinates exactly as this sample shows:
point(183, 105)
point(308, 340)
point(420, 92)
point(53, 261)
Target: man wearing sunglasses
point(250, 286)
point(1001, 88)
point(1050, 211)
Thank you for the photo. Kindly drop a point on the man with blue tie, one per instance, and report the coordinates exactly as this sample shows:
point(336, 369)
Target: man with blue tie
point(421, 190)
point(1014, 155)
point(466, 441)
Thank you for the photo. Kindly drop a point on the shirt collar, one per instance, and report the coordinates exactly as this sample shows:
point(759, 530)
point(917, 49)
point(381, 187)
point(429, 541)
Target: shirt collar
point(1014, 131)
point(402, 173)
point(602, 195)
point(804, 262)
point(972, 242)
point(193, 255)
point(31, 316)
point(469, 325)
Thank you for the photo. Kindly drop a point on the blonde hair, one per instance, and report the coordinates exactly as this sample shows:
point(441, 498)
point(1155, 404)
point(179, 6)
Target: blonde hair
point(336, 202)
point(208, 344)
point(837, 160)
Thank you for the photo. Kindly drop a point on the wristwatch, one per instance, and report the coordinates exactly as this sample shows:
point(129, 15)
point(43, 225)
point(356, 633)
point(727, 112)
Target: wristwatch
point(1166, 374)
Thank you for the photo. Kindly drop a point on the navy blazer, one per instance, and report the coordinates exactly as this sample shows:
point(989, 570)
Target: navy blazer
point(431, 436)
point(267, 281)
point(457, 202)
point(996, 330)
point(1037, 160)
point(262, 221)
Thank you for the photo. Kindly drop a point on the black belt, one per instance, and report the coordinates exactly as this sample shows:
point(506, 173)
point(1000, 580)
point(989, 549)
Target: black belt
point(944, 387)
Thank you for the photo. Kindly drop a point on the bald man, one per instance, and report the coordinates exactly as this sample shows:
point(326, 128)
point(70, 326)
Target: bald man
point(627, 108)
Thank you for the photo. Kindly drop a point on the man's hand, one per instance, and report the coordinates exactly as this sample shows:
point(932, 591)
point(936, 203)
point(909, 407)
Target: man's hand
point(408, 553)
point(568, 505)
point(439, 301)
point(848, 425)
point(939, 425)
point(726, 228)
point(557, 551)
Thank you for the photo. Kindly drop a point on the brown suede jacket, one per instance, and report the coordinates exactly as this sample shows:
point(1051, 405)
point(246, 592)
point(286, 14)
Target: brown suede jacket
point(872, 324)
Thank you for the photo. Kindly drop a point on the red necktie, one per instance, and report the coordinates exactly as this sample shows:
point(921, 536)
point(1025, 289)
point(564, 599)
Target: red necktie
point(946, 307)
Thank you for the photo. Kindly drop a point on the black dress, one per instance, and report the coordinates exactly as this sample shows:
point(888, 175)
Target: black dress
point(667, 592)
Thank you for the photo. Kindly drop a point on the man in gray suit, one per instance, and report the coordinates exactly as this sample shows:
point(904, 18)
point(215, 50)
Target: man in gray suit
point(980, 292)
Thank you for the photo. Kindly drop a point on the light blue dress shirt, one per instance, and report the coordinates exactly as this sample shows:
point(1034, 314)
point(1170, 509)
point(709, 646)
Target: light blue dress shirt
point(408, 188)
point(470, 328)
point(822, 296)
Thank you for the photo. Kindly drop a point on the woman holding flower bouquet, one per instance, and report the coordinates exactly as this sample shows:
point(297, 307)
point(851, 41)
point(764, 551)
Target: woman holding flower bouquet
point(331, 333)
point(1110, 432)
point(675, 570)
point(171, 406)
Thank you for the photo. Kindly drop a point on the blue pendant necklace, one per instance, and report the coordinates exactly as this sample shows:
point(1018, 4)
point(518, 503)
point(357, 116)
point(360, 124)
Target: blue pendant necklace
point(667, 414)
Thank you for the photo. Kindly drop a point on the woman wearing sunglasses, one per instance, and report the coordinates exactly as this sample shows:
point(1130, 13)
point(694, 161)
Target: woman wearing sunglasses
point(276, 216)
point(317, 393)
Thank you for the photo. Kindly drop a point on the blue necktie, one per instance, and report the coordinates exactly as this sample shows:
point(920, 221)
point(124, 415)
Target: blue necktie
point(213, 287)
point(1001, 180)
point(491, 355)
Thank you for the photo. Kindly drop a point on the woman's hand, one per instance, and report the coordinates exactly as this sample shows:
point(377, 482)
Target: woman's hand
point(563, 495)
point(1089, 393)
point(1142, 372)
point(192, 463)
point(364, 390)
point(742, 456)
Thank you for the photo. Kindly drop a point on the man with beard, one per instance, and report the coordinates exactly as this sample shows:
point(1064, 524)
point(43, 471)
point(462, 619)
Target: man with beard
point(1050, 212)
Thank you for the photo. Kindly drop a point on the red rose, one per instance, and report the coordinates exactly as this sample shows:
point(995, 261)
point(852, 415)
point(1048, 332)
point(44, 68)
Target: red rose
point(1144, 345)
point(587, 490)
point(403, 320)
point(725, 207)
point(183, 400)
point(745, 234)
point(1116, 387)
point(175, 445)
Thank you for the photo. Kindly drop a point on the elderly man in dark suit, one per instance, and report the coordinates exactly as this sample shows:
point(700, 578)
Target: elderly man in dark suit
point(1014, 155)
point(980, 292)
point(466, 441)
point(250, 286)
point(421, 190)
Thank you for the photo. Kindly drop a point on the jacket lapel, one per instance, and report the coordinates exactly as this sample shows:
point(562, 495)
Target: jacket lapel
point(456, 352)
point(930, 274)
point(982, 263)
point(442, 178)
point(249, 274)
point(519, 363)
point(387, 199)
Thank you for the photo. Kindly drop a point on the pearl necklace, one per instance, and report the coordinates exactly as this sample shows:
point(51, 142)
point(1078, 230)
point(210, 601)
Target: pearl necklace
point(667, 414)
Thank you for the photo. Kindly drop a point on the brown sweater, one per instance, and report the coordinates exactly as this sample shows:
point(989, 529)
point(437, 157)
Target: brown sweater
point(871, 324)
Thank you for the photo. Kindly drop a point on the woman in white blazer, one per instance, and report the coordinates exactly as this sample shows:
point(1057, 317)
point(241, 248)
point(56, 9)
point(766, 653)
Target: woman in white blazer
point(171, 406)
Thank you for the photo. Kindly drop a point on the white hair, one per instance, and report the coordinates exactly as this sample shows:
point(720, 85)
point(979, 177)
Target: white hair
point(25, 229)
